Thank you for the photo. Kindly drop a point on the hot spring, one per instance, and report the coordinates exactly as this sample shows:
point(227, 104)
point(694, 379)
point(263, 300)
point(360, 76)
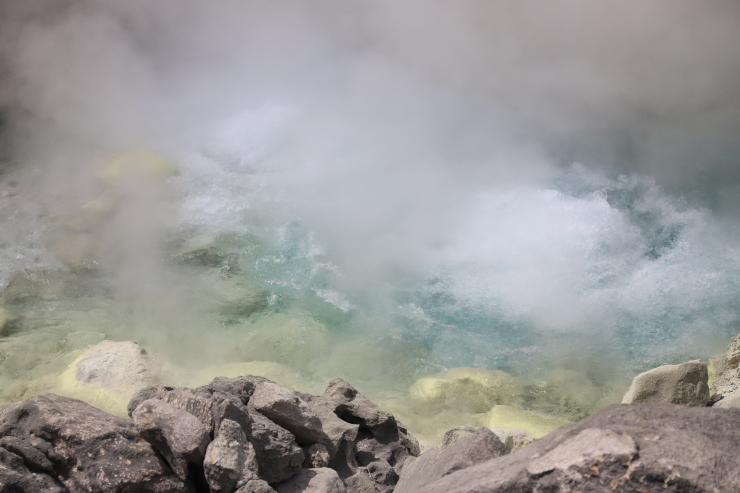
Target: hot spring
point(451, 207)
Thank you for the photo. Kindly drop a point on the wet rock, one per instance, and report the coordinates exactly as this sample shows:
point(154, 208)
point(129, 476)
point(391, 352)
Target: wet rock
point(640, 447)
point(464, 452)
point(321, 480)
point(278, 455)
point(90, 449)
point(120, 366)
point(177, 435)
point(230, 459)
point(284, 408)
point(685, 384)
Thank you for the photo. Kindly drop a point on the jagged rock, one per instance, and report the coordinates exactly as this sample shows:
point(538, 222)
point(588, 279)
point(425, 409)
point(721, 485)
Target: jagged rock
point(323, 480)
point(730, 401)
point(315, 456)
point(15, 477)
point(284, 408)
point(353, 407)
point(86, 446)
point(230, 459)
point(360, 482)
point(514, 438)
point(34, 459)
point(209, 406)
point(256, 486)
point(278, 455)
point(464, 452)
point(732, 355)
point(641, 447)
point(177, 435)
point(241, 387)
point(120, 366)
point(337, 433)
point(684, 384)
point(728, 383)
point(383, 475)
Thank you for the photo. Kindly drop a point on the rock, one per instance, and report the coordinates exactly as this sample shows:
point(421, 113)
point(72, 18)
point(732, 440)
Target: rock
point(383, 476)
point(514, 438)
point(728, 383)
point(454, 434)
point(360, 482)
point(256, 486)
point(464, 452)
point(16, 478)
point(732, 355)
point(284, 408)
point(338, 435)
point(315, 456)
point(230, 459)
point(208, 405)
point(241, 387)
point(470, 389)
point(323, 480)
point(278, 455)
point(730, 401)
point(120, 366)
point(87, 445)
point(34, 459)
point(537, 425)
point(719, 363)
point(684, 384)
point(177, 435)
point(351, 406)
point(640, 447)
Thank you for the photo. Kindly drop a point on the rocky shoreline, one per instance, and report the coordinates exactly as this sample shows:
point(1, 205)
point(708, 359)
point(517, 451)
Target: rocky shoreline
point(249, 434)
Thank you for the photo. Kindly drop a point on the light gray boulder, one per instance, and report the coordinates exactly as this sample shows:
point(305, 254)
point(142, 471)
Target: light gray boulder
point(322, 480)
point(286, 409)
point(639, 447)
point(685, 384)
point(230, 460)
point(177, 435)
point(121, 366)
point(465, 451)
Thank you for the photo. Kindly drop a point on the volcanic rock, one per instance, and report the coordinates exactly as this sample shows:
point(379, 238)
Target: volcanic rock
point(120, 366)
point(322, 480)
point(684, 384)
point(278, 455)
point(230, 459)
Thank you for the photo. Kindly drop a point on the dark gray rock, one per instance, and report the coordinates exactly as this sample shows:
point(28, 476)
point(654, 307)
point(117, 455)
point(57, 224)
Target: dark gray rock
point(351, 406)
point(464, 452)
point(633, 448)
point(315, 456)
point(177, 435)
point(91, 450)
point(286, 409)
point(383, 475)
point(278, 455)
point(322, 480)
point(34, 459)
point(360, 482)
point(230, 459)
point(16, 478)
point(684, 384)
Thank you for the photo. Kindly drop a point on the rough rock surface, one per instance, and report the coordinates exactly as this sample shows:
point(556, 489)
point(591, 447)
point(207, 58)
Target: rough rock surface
point(322, 480)
point(730, 401)
point(732, 354)
point(514, 438)
point(90, 450)
point(684, 384)
point(278, 454)
point(230, 459)
point(177, 435)
point(463, 452)
point(284, 408)
point(120, 366)
point(635, 448)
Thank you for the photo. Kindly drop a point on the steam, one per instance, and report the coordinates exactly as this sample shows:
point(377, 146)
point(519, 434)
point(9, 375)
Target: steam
point(406, 138)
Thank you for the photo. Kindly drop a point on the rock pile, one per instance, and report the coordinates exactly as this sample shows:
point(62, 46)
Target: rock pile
point(245, 434)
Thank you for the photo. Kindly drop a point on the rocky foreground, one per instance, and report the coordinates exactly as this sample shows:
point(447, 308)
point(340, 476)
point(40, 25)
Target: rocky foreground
point(250, 435)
